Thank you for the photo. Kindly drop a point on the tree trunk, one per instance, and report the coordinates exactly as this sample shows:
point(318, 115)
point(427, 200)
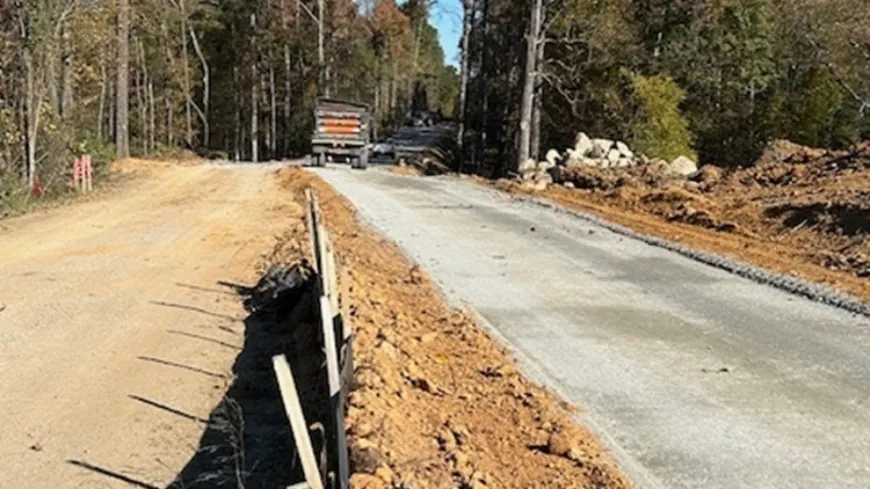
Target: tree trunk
point(273, 114)
point(467, 17)
point(31, 115)
point(206, 88)
point(170, 132)
point(104, 82)
point(288, 99)
point(66, 67)
point(535, 147)
point(152, 117)
point(122, 134)
point(51, 81)
point(529, 78)
point(375, 119)
point(185, 77)
point(254, 83)
point(237, 126)
point(482, 121)
point(323, 71)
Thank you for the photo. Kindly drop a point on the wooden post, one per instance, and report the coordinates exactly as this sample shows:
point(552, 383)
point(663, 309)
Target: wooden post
point(323, 238)
point(293, 408)
point(335, 398)
point(332, 277)
point(346, 329)
point(312, 228)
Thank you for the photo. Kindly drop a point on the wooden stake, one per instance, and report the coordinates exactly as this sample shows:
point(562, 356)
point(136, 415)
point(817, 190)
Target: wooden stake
point(293, 408)
point(346, 332)
point(323, 238)
point(335, 397)
point(332, 277)
point(344, 283)
point(312, 228)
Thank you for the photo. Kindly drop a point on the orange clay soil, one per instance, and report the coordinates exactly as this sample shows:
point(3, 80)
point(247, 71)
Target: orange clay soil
point(798, 210)
point(439, 404)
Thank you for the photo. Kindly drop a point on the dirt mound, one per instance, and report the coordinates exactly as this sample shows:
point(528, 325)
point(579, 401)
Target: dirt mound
point(431, 382)
point(143, 167)
point(797, 210)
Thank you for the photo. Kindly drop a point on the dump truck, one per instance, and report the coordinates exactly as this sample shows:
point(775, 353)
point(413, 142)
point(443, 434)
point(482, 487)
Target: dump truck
point(341, 132)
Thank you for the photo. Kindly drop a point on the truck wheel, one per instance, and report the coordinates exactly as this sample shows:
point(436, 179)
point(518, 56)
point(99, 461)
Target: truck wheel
point(319, 160)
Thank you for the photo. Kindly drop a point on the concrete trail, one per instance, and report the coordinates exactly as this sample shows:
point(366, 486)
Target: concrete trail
point(697, 378)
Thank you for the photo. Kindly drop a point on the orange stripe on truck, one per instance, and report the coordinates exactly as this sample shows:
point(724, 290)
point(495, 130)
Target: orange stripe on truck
point(340, 130)
point(341, 122)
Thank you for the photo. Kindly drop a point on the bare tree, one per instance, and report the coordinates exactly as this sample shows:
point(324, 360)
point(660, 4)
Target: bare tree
point(467, 19)
point(529, 81)
point(122, 91)
point(255, 115)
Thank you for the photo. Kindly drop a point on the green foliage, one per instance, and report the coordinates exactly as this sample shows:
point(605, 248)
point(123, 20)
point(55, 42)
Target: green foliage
point(660, 131)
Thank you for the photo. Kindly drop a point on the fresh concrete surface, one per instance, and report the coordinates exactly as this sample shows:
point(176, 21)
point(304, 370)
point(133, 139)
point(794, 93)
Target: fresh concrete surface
point(637, 335)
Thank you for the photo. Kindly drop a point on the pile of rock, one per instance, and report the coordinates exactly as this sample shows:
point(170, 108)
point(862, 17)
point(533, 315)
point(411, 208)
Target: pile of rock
point(599, 154)
point(602, 153)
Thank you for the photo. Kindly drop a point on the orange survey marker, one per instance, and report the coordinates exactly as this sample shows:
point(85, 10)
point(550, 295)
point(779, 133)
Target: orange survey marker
point(83, 174)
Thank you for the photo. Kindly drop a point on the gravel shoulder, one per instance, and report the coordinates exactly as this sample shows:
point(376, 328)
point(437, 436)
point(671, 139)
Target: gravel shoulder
point(697, 377)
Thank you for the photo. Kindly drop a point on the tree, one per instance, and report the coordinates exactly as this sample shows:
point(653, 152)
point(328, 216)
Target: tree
point(122, 120)
point(530, 79)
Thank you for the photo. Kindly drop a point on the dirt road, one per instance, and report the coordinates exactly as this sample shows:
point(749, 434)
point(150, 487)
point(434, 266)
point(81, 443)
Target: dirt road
point(115, 342)
point(696, 377)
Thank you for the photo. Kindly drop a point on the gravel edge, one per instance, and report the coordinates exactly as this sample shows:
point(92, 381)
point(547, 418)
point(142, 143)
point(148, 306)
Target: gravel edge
point(786, 282)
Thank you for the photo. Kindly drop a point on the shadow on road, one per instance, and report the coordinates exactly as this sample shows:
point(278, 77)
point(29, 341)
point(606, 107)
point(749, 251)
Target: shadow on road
point(247, 440)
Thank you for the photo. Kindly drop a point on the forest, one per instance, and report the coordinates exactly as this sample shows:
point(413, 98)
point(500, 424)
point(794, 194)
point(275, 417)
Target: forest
point(237, 79)
point(223, 78)
point(712, 79)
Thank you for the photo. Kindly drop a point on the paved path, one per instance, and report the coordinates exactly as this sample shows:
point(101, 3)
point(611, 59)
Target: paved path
point(697, 378)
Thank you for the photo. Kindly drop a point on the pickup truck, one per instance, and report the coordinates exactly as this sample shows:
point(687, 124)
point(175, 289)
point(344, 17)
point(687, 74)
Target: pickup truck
point(341, 129)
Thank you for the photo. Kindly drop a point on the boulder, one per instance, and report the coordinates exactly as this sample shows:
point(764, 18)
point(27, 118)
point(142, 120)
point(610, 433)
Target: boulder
point(624, 150)
point(553, 157)
point(528, 165)
point(572, 158)
point(613, 156)
point(568, 184)
point(544, 166)
point(541, 185)
point(600, 148)
point(582, 144)
point(625, 163)
point(683, 166)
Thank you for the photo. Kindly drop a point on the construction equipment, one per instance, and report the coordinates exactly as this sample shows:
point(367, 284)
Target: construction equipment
point(341, 131)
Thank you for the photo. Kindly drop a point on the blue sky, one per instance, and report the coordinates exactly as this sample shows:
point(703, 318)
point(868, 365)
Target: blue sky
point(446, 16)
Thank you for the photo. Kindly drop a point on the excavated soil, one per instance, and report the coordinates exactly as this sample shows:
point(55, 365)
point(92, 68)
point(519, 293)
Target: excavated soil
point(798, 210)
point(438, 404)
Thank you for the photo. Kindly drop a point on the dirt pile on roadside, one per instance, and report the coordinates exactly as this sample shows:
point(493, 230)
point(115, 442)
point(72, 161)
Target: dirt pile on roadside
point(439, 404)
point(143, 167)
point(798, 210)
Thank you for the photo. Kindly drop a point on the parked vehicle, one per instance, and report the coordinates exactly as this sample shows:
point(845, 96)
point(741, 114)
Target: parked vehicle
point(341, 131)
